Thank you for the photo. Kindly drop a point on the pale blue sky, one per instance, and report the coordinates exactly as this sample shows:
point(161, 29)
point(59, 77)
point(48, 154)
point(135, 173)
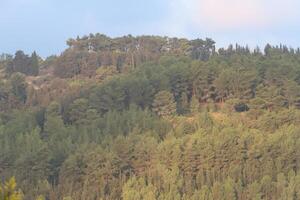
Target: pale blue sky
point(45, 25)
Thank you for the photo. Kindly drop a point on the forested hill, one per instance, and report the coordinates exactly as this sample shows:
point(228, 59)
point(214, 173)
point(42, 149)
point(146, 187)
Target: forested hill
point(151, 117)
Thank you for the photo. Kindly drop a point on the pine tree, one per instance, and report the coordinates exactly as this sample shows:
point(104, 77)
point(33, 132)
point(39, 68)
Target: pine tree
point(34, 64)
point(229, 190)
point(183, 104)
point(137, 189)
point(18, 86)
point(194, 105)
point(164, 104)
point(9, 191)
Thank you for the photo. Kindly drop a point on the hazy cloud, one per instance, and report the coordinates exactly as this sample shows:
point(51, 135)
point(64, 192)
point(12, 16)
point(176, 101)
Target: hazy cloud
point(232, 14)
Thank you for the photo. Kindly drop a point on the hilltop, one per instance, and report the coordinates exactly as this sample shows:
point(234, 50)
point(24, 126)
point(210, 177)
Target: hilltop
point(152, 117)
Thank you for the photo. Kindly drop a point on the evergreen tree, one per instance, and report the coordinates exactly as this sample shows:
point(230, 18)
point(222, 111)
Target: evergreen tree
point(194, 105)
point(164, 104)
point(34, 64)
point(9, 192)
point(18, 87)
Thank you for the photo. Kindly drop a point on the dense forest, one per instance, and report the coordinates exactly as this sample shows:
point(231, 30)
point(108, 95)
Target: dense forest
point(150, 118)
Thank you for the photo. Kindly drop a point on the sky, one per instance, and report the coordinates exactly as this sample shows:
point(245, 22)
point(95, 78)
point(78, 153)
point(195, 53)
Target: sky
point(45, 25)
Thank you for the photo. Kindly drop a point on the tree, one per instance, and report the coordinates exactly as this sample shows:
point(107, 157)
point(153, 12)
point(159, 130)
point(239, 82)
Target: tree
point(19, 86)
point(183, 104)
point(229, 190)
point(78, 110)
point(218, 191)
point(136, 189)
point(267, 50)
point(204, 193)
point(34, 64)
point(194, 105)
point(236, 82)
point(164, 104)
point(291, 92)
point(172, 184)
point(254, 191)
point(4, 95)
point(202, 49)
point(203, 82)
point(178, 76)
point(21, 62)
point(24, 64)
point(109, 96)
point(9, 192)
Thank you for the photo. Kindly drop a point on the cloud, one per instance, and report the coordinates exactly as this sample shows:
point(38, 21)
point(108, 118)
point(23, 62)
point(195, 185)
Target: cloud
point(222, 15)
point(230, 13)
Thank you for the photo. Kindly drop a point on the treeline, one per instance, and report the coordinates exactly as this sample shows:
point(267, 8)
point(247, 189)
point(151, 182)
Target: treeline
point(22, 63)
point(85, 55)
point(183, 121)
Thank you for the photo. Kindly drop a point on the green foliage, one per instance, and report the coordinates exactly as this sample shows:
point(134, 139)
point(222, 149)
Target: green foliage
point(151, 118)
point(23, 63)
point(9, 192)
point(34, 64)
point(18, 87)
point(78, 110)
point(136, 189)
point(164, 104)
point(194, 105)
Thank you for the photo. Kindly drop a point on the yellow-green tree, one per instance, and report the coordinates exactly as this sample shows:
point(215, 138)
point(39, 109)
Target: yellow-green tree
point(9, 192)
point(136, 189)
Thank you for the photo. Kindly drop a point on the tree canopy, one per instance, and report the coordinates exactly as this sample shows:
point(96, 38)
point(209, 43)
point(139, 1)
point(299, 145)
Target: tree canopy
point(150, 117)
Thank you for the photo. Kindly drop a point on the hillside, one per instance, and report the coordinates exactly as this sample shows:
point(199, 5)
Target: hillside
point(151, 117)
